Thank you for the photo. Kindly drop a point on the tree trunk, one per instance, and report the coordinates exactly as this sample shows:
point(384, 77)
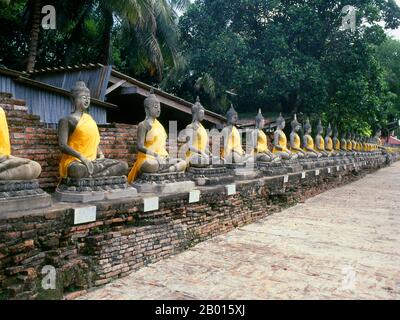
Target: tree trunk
point(34, 31)
point(106, 38)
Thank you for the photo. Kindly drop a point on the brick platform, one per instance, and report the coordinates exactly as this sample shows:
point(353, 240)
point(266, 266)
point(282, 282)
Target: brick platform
point(124, 238)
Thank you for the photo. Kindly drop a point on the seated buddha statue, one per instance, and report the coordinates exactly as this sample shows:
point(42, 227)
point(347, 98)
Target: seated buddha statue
point(308, 142)
point(280, 141)
point(329, 147)
point(153, 156)
point(343, 143)
point(79, 139)
point(14, 168)
point(295, 141)
point(364, 144)
point(336, 141)
point(353, 142)
point(319, 141)
point(260, 142)
point(376, 139)
point(349, 143)
point(232, 151)
point(198, 154)
point(359, 143)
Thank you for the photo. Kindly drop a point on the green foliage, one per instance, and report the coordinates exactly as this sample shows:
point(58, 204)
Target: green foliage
point(289, 56)
point(139, 36)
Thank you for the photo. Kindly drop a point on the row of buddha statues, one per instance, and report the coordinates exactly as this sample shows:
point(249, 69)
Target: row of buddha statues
point(79, 141)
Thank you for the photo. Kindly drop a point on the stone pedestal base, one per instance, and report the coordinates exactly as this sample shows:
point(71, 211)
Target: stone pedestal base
point(22, 196)
point(94, 189)
point(307, 163)
point(210, 175)
point(292, 166)
point(163, 183)
point(242, 172)
point(271, 169)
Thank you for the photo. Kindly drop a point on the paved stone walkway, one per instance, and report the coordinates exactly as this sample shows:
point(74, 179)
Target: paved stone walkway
point(342, 244)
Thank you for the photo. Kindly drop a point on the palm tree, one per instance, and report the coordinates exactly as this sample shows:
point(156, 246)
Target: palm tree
point(152, 24)
point(35, 9)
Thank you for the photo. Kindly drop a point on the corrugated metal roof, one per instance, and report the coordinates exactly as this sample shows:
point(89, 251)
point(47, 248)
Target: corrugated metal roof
point(82, 67)
point(76, 67)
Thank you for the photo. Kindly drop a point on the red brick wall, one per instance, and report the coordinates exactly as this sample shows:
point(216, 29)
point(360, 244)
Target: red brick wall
point(34, 140)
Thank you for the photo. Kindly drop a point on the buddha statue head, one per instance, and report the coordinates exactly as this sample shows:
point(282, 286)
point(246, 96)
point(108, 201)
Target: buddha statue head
point(320, 128)
point(260, 122)
point(198, 111)
point(335, 132)
point(152, 105)
point(378, 133)
point(329, 131)
point(296, 126)
point(80, 95)
point(280, 122)
point(307, 127)
point(232, 116)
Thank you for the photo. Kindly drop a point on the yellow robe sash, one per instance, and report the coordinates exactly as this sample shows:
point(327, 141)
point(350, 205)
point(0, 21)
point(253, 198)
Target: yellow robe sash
point(156, 140)
point(329, 144)
point(85, 139)
point(234, 143)
point(262, 142)
point(282, 142)
point(200, 141)
point(5, 147)
point(320, 144)
point(309, 143)
point(337, 145)
point(297, 143)
point(349, 145)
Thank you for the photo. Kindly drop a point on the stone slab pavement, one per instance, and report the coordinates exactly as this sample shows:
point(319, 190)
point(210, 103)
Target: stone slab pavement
point(341, 244)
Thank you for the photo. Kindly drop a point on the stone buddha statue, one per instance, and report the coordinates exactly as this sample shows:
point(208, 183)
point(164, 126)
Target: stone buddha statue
point(280, 141)
point(260, 142)
point(377, 138)
point(295, 141)
point(79, 139)
point(153, 156)
point(232, 151)
point(336, 141)
point(329, 147)
point(198, 154)
point(343, 143)
point(319, 140)
point(353, 142)
point(308, 142)
point(14, 168)
point(349, 143)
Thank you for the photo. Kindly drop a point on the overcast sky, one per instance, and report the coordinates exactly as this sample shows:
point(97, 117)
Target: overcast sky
point(395, 33)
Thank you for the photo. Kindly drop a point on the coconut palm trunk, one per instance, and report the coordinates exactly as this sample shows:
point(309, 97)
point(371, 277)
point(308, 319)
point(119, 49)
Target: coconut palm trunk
point(34, 34)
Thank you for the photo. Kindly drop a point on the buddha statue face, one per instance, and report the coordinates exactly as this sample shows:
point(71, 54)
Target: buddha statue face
point(280, 122)
point(336, 133)
point(329, 131)
point(260, 124)
point(80, 96)
point(320, 128)
point(295, 124)
point(152, 106)
point(232, 116)
point(260, 121)
point(198, 111)
point(307, 127)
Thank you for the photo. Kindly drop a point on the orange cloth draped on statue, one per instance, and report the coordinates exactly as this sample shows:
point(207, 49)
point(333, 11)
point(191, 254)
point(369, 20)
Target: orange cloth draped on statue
point(85, 139)
point(234, 143)
point(155, 141)
point(5, 147)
